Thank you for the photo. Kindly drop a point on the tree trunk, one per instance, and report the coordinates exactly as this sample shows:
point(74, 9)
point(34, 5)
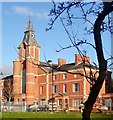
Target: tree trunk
point(101, 61)
point(93, 96)
point(9, 106)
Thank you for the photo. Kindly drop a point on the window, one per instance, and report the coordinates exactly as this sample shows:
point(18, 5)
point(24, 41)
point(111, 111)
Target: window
point(59, 102)
point(41, 90)
point(55, 89)
point(24, 81)
point(64, 76)
point(76, 87)
point(64, 88)
point(66, 103)
point(23, 101)
point(54, 77)
point(76, 102)
point(75, 75)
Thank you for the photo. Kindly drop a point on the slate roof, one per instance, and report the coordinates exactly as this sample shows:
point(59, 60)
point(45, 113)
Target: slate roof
point(7, 77)
point(29, 37)
point(64, 68)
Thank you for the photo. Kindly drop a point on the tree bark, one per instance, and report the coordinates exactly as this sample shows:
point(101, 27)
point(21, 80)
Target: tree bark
point(101, 60)
point(93, 96)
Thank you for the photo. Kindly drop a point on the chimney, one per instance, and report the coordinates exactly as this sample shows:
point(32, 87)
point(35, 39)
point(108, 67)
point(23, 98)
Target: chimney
point(80, 59)
point(61, 62)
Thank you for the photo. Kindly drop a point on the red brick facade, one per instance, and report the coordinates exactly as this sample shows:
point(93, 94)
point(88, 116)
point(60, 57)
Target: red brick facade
point(33, 79)
point(68, 88)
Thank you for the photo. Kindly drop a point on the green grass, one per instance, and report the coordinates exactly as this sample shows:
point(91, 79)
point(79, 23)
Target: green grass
point(58, 116)
point(0, 115)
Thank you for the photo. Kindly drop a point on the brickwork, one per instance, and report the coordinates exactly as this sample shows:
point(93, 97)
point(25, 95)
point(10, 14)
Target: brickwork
point(39, 80)
point(33, 80)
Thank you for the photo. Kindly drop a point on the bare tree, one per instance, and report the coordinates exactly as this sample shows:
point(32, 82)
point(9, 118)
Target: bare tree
point(101, 11)
point(8, 91)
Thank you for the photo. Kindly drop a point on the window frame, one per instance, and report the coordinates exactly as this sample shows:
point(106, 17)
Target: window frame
point(55, 89)
point(76, 87)
point(75, 75)
point(64, 88)
point(41, 90)
point(64, 76)
point(59, 102)
point(54, 77)
point(76, 102)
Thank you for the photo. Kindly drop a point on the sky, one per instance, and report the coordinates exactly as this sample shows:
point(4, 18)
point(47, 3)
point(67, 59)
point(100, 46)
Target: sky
point(14, 20)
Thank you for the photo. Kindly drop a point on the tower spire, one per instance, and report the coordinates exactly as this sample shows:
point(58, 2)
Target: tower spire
point(29, 36)
point(29, 23)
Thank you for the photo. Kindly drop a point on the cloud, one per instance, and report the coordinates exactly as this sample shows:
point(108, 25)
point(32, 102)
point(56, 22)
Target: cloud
point(21, 10)
point(26, 11)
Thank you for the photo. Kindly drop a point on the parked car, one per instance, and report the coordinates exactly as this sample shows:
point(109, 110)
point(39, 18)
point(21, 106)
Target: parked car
point(38, 106)
point(103, 107)
point(32, 107)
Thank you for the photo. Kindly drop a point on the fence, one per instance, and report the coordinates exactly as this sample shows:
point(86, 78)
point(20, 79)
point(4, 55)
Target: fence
point(22, 107)
point(12, 107)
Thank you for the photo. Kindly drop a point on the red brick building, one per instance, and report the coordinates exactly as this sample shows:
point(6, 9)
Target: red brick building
point(5, 84)
point(64, 83)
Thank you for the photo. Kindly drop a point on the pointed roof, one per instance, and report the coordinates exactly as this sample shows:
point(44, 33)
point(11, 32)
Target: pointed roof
point(29, 36)
point(29, 25)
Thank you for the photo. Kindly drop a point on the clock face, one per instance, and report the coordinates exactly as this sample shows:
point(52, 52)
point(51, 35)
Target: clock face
point(32, 35)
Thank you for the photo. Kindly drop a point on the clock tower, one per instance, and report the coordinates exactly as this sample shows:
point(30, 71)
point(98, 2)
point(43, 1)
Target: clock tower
point(25, 67)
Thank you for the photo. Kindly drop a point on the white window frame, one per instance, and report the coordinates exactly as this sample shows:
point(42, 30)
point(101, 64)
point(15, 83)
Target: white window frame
point(41, 90)
point(76, 87)
point(76, 102)
point(64, 76)
point(75, 75)
point(59, 102)
point(54, 77)
point(64, 88)
point(55, 89)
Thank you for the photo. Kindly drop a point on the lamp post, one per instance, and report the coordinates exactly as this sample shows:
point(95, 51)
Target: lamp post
point(51, 66)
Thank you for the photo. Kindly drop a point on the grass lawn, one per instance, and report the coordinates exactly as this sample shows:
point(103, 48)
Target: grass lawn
point(50, 116)
point(0, 115)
